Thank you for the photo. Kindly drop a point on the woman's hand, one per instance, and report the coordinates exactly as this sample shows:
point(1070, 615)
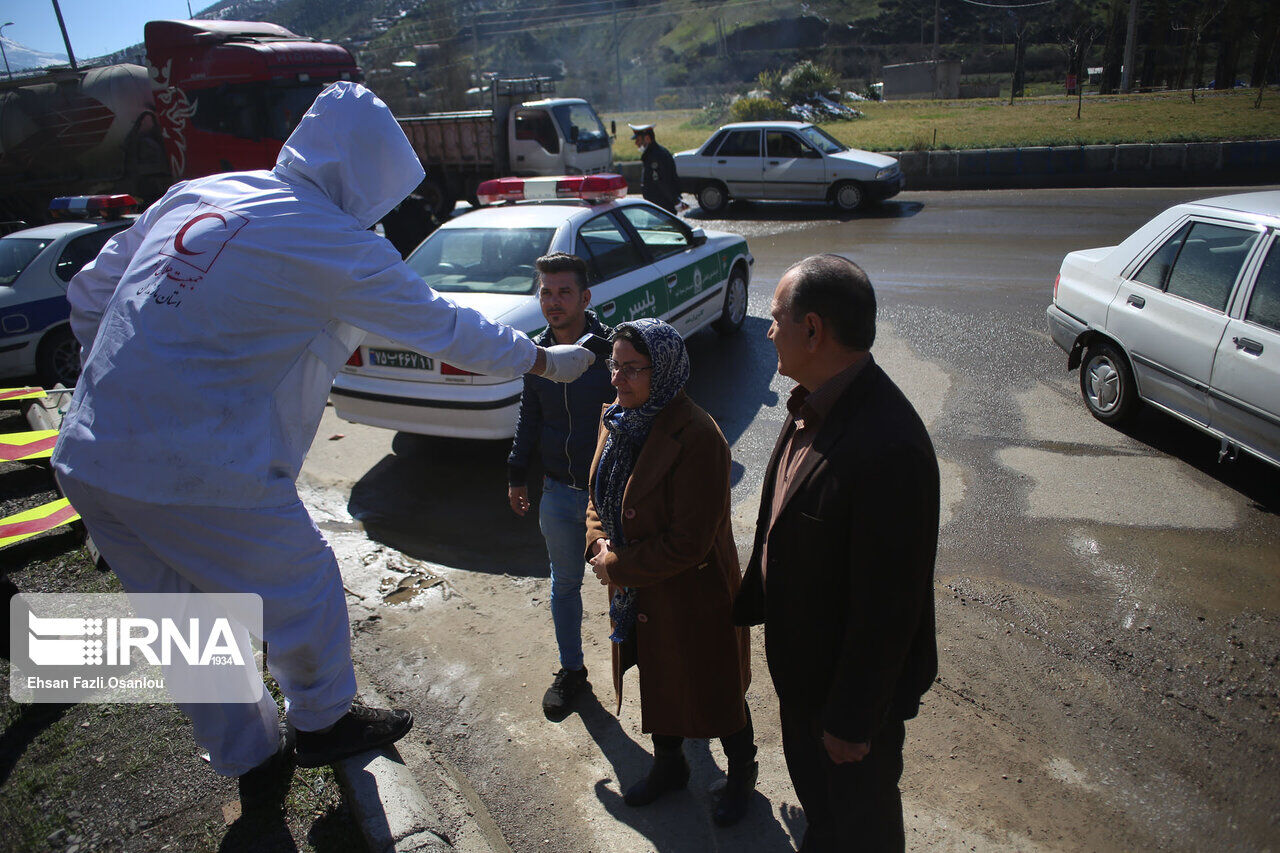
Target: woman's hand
point(598, 561)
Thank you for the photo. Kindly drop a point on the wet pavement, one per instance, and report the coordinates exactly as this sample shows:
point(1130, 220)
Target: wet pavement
point(1108, 601)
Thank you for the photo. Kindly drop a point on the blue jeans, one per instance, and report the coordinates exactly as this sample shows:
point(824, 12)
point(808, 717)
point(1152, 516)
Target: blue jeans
point(562, 515)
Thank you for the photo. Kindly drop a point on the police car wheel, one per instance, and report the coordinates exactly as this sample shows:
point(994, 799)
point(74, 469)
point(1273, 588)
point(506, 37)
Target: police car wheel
point(735, 303)
point(58, 358)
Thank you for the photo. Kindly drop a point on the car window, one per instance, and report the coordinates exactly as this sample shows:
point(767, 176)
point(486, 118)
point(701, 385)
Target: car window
point(823, 141)
point(1264, 304)
point(15, 254)
point(591, 133)
point(536, 125)
point(480, 260)
point(1206, 268)
point(81, 250)
point(608, 248)
point(780, 144)
point(740, 143)
point(1199, 263)
point(1156, 269)
point(661, 233)
point(713, 143)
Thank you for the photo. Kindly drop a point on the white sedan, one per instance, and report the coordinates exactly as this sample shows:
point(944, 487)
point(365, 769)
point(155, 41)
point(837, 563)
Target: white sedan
point(785, 160)
point(643, 262)
point(1183, 315)
point(35, 266)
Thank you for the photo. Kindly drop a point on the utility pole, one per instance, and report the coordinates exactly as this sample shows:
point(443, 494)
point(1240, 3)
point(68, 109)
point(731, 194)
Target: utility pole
point(65, 40)
point(2, 50)
point(936, 15)
point(1130, 39)
point(617, 48)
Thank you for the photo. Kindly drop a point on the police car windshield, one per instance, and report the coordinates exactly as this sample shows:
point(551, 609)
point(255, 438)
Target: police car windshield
point(821, 140)
point(481, 260)
point(15, 254)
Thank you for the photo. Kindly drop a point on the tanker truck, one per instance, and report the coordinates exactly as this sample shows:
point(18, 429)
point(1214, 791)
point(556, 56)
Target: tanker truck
point(216, 96)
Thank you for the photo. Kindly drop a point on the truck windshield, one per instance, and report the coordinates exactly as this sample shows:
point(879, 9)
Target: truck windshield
point(481, 260)
point(821, 140)
point(251, 111)
point(16, 254)
point(591, 133)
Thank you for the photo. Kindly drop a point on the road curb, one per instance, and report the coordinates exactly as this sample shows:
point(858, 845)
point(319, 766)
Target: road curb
point(393, 812)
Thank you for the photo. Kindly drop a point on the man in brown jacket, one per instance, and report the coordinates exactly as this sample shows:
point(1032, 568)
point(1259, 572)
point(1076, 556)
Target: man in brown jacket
point(841, 572)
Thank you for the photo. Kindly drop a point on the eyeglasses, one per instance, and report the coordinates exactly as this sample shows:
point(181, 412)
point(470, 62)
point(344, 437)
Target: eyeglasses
point(629, 372)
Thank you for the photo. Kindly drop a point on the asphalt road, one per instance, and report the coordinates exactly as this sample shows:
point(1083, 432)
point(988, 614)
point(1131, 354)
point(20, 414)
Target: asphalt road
point(1108, 602)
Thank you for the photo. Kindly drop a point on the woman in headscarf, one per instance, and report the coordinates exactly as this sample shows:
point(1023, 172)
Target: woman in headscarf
point(658, 534)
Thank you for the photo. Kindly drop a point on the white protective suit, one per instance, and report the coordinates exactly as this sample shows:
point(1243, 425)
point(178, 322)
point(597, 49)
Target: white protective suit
point(213, 328)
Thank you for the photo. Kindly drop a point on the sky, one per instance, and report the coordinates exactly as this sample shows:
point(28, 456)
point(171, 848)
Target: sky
point(95, 27)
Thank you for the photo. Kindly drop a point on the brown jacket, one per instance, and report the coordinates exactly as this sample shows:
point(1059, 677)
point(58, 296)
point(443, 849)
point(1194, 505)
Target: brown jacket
point(679, 556)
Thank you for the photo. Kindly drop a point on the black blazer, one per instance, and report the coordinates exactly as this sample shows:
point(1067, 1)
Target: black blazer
point(848, 606)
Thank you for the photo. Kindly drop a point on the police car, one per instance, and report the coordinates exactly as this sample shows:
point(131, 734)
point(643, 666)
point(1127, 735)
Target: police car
point(35, 266)
point(642, 262)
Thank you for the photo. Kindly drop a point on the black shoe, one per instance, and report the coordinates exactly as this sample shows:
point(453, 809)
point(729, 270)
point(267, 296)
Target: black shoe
point(265, 787)
point(670, 772)
point(359, 730)
point(559, 696)
point(736, 796)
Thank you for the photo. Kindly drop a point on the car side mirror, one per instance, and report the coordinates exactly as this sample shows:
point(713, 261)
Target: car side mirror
point(697, 237)
point(613, 130)
point(812, 154)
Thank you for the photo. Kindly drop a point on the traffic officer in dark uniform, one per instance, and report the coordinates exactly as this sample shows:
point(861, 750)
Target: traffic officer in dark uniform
point(659, 183)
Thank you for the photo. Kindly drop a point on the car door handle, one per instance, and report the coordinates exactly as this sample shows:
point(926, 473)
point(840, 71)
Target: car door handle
point(1136, 301)
point(773, 162)
point(672, 280)
point(1249, 345)
point(721, 162)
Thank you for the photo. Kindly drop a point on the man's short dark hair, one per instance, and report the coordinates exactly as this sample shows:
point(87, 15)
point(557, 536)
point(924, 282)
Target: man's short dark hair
point(562, 262)
point(838, 291)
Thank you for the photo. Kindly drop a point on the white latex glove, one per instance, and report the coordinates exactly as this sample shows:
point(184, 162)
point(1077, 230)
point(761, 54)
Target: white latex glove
point(566, 362)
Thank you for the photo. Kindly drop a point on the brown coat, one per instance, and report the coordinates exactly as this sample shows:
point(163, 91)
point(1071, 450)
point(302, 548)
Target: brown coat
point(695, 665)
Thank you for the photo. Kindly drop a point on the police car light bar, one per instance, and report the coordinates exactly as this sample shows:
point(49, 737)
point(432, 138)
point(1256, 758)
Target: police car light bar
point(106, 206)
point(593, 188)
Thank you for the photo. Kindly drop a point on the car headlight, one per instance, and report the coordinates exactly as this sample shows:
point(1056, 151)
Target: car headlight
point(886, 173)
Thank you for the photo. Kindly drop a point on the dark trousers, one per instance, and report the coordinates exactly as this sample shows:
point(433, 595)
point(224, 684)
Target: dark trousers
point(849, 807)
point(739, 747)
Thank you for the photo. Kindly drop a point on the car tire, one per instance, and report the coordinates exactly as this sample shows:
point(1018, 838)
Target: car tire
point(713, 197)
point(848, 196)
point(735, 303)
point(1106, 383)
point(58, 358)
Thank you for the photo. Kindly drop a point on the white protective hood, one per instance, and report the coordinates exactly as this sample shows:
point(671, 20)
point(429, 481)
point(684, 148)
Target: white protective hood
point(350, 146)
point(214, 326)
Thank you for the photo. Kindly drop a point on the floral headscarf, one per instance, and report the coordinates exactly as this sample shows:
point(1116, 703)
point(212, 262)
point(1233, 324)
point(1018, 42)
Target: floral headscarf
point(628, 430)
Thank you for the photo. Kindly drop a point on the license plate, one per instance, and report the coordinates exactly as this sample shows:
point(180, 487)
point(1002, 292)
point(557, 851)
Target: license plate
point(399, 358)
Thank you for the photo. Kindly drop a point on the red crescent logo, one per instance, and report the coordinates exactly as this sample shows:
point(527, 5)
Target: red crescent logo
point(177, 240)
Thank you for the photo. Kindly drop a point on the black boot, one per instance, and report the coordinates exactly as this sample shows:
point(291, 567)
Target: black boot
point(670, 772)
point(736, 796)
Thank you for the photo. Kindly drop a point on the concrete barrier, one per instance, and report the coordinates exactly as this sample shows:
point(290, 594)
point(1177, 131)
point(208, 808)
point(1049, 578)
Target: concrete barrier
point(1155, 165)
point(1161, 164)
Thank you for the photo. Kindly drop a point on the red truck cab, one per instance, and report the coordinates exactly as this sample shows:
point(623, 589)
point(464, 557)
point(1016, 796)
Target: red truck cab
point(228, 93)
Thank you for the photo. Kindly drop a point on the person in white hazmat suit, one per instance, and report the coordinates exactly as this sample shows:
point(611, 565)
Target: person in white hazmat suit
point(212, 329)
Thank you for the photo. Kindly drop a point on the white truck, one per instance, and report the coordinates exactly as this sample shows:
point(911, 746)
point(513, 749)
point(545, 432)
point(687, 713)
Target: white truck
point(544, 136)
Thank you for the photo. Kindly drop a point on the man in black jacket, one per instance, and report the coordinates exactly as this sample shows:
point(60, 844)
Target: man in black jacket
point(659, 182)
point(561, 422)
point(841, 573)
